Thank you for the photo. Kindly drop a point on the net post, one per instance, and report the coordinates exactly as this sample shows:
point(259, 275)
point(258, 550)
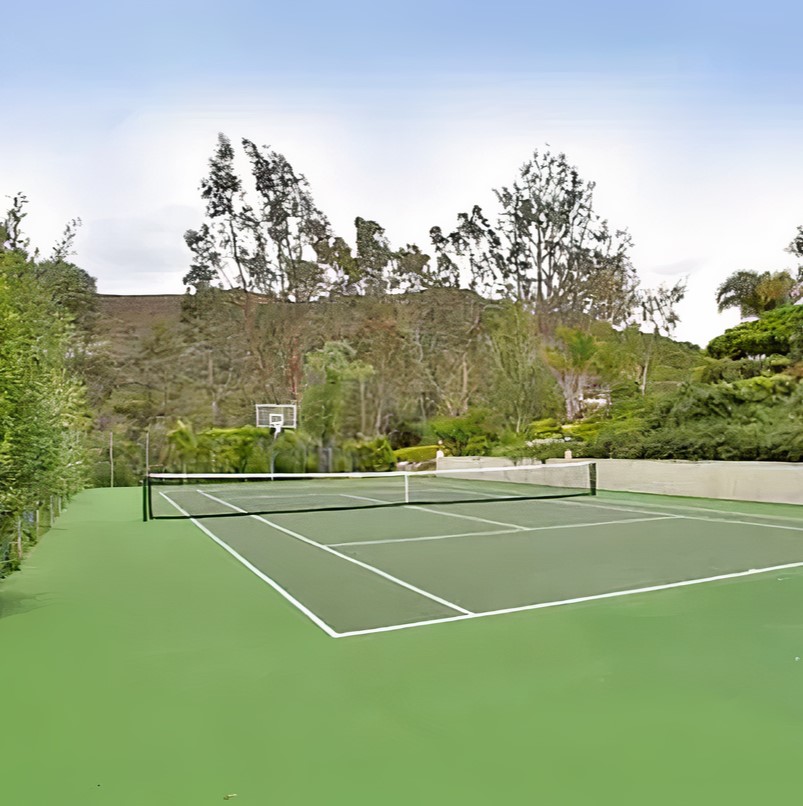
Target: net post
point(592, 477)
point(149, 496)
point(145, 499)
point(406, 488)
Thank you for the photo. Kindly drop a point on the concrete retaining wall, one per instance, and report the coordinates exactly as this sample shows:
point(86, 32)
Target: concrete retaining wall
point(773, 482)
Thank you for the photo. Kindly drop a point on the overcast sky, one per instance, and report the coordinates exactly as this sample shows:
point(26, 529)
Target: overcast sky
point(688, 116)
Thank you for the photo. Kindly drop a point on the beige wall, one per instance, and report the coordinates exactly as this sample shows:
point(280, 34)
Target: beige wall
point(776, 482)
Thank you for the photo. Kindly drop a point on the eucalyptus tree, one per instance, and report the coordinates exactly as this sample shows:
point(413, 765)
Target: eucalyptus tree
point(547, 248)
point(469, 256)
point(258, 242)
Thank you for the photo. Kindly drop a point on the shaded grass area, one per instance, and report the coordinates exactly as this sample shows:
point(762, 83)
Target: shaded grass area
point(143, 665)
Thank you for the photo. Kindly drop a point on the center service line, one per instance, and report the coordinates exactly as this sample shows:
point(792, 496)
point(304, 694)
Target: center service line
point(328, 550)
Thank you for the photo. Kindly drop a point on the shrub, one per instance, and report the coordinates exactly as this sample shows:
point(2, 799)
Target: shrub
point(776, 332)
point(548, 428)
point(420, 453)
point(473, 434)
point(371, 455)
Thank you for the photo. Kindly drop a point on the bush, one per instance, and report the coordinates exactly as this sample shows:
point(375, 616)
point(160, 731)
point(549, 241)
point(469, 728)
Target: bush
point(420, 453)
point(374, 455)
point(548, 428)
point(473, 434)
point(776, 332)
point(729, 370)
point(295, 453)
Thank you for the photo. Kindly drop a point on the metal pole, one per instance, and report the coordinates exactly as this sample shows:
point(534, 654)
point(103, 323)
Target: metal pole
point(147, 450)
point(111, 458)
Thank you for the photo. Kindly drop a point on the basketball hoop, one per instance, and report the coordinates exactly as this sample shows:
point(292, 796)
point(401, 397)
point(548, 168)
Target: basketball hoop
point(278, 416)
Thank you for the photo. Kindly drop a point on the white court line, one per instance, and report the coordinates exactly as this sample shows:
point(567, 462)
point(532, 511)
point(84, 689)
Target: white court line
point(345, 557)
point(576, 600)
point(428, 537)
point(726, 512)
point(735, 512)
point(247, 497)
point(685, 517)
point(513, 526)
point(317, 621)
point(507, 531)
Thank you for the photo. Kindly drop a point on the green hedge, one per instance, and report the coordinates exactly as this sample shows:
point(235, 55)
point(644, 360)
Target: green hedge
point(374, 455)
point(420, 453)
point(778, 332)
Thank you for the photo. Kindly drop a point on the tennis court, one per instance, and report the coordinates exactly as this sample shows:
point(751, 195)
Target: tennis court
point(360, 555)
point(161, 670)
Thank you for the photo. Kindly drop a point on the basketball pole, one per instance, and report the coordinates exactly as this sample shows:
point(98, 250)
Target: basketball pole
point(277, 429)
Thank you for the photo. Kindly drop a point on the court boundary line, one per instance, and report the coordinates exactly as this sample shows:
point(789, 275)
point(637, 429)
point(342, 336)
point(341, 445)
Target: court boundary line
point(323, 547)
point(575, 600)
point(733, 512)
point(506, 531)
point(687, 517)
point(312, 616)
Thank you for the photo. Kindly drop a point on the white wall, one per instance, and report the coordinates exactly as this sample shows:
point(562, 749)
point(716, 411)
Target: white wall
point(775, 482)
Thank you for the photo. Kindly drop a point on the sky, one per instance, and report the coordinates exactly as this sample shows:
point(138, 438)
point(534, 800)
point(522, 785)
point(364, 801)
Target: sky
point(688, 117)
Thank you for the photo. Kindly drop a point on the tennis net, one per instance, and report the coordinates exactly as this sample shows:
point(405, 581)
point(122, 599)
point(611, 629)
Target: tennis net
point(208, 495)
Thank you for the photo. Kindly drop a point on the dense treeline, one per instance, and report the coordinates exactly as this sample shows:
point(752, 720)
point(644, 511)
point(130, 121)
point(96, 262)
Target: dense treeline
point(400, 366)
point(544, 246)
point(43, 414)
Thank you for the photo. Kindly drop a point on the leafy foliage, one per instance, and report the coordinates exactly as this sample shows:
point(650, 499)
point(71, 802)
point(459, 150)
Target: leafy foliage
point(472, 434)
point(43, 417)
point(418, 453)
point(756, 293)
point(779, 332)
point(373, 455)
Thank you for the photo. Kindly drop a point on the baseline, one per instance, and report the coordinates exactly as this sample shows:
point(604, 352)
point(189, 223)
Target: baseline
point(576, 600)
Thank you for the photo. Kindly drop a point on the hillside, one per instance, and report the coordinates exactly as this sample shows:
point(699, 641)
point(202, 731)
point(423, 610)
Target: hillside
point(139, 312)
point(359, 366)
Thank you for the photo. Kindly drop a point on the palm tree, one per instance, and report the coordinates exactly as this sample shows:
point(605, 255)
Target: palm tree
point(755, 293)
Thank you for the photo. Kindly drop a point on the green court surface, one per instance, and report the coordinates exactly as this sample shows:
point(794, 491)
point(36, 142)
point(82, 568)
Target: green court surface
point(620, 649)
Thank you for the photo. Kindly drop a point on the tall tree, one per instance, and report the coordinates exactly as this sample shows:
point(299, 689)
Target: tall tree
point(330, 370)
point(288, 226)
point(265, 245)
point(548, 248)
point(469, 255)
point(519, 385)
point(373, 256)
